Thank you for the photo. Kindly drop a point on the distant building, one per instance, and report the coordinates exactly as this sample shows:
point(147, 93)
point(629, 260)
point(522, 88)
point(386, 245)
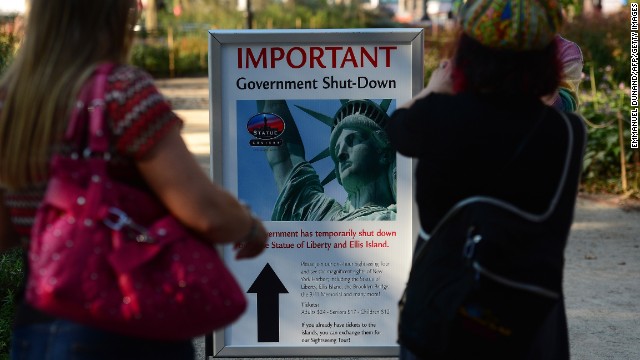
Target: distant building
point(12, 7)
point(411, 11)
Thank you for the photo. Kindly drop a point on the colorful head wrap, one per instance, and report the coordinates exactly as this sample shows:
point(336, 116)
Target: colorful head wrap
point(512, 24)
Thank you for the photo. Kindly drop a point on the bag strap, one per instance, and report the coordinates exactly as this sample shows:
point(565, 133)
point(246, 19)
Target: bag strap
point(93, 97)
point(509, 206)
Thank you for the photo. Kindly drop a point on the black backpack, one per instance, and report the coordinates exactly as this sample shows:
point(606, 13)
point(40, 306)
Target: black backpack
point(488, 281)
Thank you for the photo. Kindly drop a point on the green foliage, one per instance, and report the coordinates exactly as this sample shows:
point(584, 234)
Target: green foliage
point(605, 103)
point(318, 15)
point(189, 58)
point(212, 14)
point(182, 41)
point(11, 273)
point(151, 57)
point(7, 45)
point(191, 55)
point(605, 44)
point(605, 108)
point(189, 52)
point(572, 7)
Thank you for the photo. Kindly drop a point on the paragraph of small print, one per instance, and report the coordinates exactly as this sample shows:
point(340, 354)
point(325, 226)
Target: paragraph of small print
point(634, 76)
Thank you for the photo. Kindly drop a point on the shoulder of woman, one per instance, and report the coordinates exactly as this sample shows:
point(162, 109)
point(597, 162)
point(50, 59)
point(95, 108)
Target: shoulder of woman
point(574, 120)
point(140, 115)
point(577, 122)
point(129, 84)
point(128, 74)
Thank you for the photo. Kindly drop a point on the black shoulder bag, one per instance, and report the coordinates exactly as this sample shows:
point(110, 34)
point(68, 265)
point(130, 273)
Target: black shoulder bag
point(485, 282)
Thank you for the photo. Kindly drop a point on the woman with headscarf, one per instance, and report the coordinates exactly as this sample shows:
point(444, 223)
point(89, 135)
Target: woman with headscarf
point(480, 128)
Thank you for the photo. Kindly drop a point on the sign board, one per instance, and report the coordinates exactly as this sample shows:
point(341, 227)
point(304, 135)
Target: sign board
point(296, 119)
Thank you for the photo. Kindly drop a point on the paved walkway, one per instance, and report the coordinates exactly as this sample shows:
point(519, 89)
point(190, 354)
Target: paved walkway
point(602, 273)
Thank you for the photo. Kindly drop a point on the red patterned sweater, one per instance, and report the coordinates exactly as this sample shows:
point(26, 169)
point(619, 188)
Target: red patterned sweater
point(138, 115)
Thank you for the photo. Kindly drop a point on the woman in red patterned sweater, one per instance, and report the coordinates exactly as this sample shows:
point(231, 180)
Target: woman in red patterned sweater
point(64, 42)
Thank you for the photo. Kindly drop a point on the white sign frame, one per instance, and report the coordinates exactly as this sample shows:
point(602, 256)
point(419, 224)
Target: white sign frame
point(224, 163)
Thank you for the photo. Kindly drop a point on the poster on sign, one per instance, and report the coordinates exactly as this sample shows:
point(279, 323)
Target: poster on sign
point(297, 123)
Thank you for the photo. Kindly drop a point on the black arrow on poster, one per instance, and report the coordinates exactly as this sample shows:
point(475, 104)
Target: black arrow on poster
point(268, 287)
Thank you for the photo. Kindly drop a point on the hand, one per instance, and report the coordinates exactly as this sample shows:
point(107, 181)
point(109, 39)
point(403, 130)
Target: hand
point(254, 244)
point(550, 99)
point(439, 82)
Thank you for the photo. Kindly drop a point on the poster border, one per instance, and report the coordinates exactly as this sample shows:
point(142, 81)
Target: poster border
point(216, 41)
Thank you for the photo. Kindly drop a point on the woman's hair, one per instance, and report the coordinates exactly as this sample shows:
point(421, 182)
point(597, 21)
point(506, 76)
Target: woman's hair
point(64, 41)
point(481, 69)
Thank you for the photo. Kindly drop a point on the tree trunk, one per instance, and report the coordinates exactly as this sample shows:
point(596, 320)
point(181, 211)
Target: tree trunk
point(151, 16)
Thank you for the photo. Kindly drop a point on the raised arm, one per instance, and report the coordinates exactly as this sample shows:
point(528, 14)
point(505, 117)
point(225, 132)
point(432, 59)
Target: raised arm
point(283, 158)
point(439, 82)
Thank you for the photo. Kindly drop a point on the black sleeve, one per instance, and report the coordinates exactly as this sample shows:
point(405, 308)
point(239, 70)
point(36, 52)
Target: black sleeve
point(397, 131)
point(409, 129)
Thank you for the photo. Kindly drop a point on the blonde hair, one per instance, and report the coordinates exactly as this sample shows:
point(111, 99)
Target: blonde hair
point(64, 41)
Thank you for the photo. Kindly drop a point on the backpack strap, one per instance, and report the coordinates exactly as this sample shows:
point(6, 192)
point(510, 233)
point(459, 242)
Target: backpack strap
point(507, 205)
